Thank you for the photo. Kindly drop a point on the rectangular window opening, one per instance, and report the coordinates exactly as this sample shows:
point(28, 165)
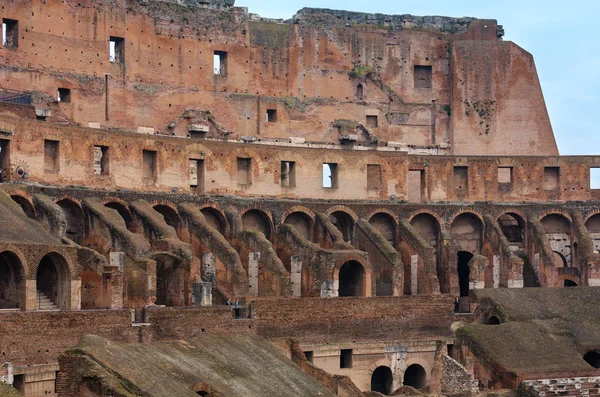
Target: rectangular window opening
point(244, 171)
point(288, 174)
point(220, 62)
point(19, 383)
point(51, 163)
point(4, 159)
point(346, 358)
point(551, 178)
point(450, 349)
point(10, 32)
point(117, 49)
point(505, 175)
point(100, 160)
point(149, 166)
point(374, 181)
point(416, 186)
point(594, 177)
point(309, 356)
point(372, 121)
point(330, 175)
point(461, 178)
point(271, 115)
point(64, 95)
point(422, 75)
point(197, 176)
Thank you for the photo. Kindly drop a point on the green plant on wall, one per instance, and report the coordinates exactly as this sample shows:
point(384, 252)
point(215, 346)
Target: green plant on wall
point(360, 71)
point(482, 109)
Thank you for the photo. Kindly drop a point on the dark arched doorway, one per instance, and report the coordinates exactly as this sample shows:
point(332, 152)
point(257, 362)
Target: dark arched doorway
point(169, 214)
point(172, 281)
point(11, 281)
point(415, 376)
point(382, 380)
point(512, 227)
point(592, 358)
point(352, 279)
point(569, 283)
point(53, 283)
point(464, 258)
point(75, 220)
point(493, 321)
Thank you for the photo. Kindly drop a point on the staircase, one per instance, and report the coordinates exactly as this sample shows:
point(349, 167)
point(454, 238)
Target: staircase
point(44, 303)
point(581, 386)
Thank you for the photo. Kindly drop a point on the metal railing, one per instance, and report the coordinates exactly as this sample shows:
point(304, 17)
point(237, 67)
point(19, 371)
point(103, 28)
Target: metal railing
point(17, 97)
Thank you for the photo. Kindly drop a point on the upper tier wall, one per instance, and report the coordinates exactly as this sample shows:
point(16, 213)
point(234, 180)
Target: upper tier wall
point(394, 78)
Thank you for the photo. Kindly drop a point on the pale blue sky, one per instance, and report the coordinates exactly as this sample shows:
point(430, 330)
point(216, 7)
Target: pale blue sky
point(561, 35)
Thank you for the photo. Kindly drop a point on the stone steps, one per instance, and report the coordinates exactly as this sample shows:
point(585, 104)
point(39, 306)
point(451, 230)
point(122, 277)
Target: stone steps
point(564, 387)
point(44, 303)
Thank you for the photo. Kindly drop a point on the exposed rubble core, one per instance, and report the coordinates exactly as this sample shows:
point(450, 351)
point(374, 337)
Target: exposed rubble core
point(340, 203)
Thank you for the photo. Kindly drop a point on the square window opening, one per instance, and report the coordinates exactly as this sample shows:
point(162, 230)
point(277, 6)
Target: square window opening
point(330, 175)
point(551, 178)
point(51, 163)
point(220, 62)
point(461, 178)
point(505, 175)
point(197, 176)
point(244, 171)
point(372, 121)
point(594, 177)
point(271, 115)
point(149, 166)
point(309, 356)
point(100, 160)
point(10, 32)
point(117, 49)
point(346, 358)
point(422, 74)
point(374, 181)
point(64, 95)
point(288, 174)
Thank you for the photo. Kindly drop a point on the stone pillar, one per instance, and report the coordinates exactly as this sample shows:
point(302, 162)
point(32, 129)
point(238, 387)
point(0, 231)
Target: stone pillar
point(30, 295)
point(202, 293)
point(296, 276)
point(496, 271)
point(330, 289)
point(75, 303)
point(253, 259)
point(414, 274)
point(117, 260)
point(208, 267)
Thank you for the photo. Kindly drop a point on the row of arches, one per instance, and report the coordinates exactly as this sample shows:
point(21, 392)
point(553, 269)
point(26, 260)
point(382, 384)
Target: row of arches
point(382, 379)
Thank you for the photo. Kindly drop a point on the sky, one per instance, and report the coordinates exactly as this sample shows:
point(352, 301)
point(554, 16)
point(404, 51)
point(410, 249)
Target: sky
point(561, 35)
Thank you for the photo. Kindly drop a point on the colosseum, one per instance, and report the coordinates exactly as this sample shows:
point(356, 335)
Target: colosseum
point(196, 200)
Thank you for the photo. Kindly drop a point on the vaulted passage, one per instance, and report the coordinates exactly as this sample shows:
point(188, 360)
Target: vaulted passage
point(171, 217)
point(75, 220)
point(385, 225)
point(124, 212)
point(382, 380)
point(415, 376)
point(25, 205)
point(302, 223)
point(466, 232)
point(512, 227)
point(352, 279)
point(11, 280)
point(258, 221)
point(464, 272)
point(214, 218)
point(53, 283)
point(592, 358)
point(344, 223)
point(172, 281)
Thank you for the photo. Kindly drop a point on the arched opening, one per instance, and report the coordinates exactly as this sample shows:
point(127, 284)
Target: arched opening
point(569, 283)
point(593, 227)
point(530, 278)
point(493, 321)
point(214, 218)
point(53, 283)
point(558, 232)
point(385, 225)
point(382, 380)
point(360, 91)
point(558, 259)
point(512, 227)
point(258, 221)
point(170, 215)
point(415, 376)
point(124, 212)
point(464, 258)
point(25, 205)
point(11, 280)
point(429, 229)
point(202, 393)
point(556, 224)
point(75, 220)
point(302, 223)
point(466, 231)
point(172, 281)
point(344, 223)
point(352, 279)
point(592, 358)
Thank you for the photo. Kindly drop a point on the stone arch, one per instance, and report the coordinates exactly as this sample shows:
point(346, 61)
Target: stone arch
point(25, 204)
point(342, 208)
point(513, 227)
point(386, 224)
point(215, 218)
point(172, 280)
point(75, 219)
point(559, 259)
point(257, 162)
point(352, 279)
point(556, 223)
point(415, 376)
point(201, 152)
point(53, 281)
point(123, 211)
point(12, 281)
point(592, 358)
point(258, 220)
point(592, 223)
point(493, 320)
point(467, 232)
point(382, 380)
point(569, 283)
point(558, 232)
point(170, 215)
point(302, 222)
point(345, 223)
